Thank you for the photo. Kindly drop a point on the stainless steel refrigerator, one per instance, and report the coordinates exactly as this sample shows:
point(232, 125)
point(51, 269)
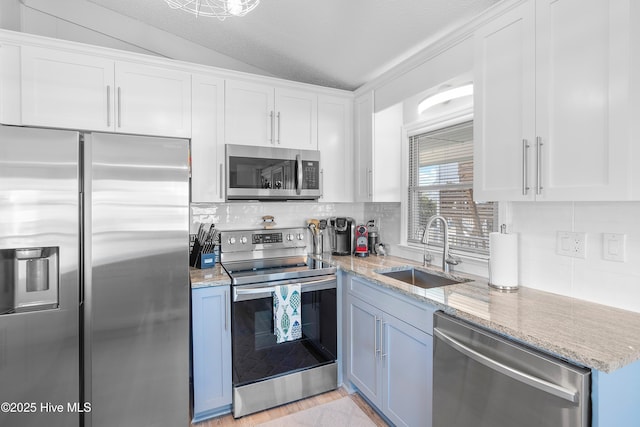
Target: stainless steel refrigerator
point(94, 286)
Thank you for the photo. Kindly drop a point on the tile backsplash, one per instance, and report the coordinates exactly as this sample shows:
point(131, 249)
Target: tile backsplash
point(237, 215)
point(592, 278)
point(294, 214)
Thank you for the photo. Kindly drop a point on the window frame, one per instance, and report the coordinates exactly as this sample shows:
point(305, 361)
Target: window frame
point(417, 128)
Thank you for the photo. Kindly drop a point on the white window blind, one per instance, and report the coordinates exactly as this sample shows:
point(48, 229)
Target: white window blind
point(441, 183)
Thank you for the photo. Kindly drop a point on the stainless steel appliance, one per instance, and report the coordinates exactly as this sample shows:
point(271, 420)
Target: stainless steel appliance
point(342, 235)
point(484, 380)
point(267, 373)
point(270, 173)
point(94, 269)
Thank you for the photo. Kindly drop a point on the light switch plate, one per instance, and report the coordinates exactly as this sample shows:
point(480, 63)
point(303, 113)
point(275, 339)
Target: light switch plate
point(614, 247)
point(572, 244)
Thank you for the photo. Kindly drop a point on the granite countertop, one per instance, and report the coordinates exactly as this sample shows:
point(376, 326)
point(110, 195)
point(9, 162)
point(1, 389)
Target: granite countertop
point(593, 335)
point(214, 276)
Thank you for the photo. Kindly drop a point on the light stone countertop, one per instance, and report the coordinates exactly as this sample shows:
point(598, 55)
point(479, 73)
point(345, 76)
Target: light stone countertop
point(214, 276)
point(593, 335)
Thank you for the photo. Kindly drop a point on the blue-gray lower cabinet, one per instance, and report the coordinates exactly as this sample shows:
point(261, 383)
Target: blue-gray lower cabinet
point(211, 329)
point(388, 359)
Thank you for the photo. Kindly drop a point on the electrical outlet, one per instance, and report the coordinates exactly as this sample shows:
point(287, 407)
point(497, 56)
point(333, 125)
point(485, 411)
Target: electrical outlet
point(572, 244)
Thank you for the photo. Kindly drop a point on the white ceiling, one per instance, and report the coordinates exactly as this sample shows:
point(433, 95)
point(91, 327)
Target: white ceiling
point(335, 43)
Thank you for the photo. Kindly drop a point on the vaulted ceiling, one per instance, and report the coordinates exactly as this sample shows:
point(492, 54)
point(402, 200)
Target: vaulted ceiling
point(335, 43)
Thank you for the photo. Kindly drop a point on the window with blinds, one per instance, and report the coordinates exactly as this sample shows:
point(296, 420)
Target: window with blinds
point(441, 183)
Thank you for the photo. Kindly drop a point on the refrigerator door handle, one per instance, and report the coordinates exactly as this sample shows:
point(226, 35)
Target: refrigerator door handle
point(540, 384)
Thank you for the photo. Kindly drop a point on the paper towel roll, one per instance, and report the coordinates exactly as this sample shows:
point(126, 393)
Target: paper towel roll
point(503, 261)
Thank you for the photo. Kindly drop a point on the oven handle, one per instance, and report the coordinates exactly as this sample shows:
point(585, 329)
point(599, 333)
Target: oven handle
point(245, 293)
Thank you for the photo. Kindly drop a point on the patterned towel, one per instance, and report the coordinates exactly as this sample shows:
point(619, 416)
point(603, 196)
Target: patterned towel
point(287, 321)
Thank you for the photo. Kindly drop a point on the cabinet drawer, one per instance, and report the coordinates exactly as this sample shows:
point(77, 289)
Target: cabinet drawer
point(414, 313)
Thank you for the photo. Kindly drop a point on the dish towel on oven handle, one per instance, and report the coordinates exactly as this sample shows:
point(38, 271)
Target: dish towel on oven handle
point(287, 307)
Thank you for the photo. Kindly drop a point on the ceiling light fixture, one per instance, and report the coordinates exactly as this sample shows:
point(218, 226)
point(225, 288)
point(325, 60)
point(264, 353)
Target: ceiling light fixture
point(447, 95)
point(220, 9)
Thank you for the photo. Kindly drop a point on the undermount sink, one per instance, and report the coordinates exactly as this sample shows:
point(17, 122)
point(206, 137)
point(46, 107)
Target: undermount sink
point(421, 278)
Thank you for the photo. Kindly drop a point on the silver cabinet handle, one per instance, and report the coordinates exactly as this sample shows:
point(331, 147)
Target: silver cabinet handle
point(525, 167)
point(119, 108)
point(321, 182)
point(271, 121)
point(108, 106)
point(279, 127)
point(221, 181)
point(370, 182)
point(530, 380)
point(539, 145)
point(382, 352)
point(375, 337)
point(226, 308)
point(299, 174)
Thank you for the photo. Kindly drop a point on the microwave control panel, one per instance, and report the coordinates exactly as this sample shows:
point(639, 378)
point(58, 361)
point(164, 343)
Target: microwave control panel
point(310, 175)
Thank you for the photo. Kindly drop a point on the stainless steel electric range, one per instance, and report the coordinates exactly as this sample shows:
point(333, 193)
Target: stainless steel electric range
point(267, 373)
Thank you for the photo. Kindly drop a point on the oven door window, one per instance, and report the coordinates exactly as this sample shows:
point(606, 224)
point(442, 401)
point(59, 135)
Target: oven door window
point(257, 356)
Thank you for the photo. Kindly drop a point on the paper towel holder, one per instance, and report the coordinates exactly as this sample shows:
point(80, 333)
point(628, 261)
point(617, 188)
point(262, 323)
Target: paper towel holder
point(500, 288)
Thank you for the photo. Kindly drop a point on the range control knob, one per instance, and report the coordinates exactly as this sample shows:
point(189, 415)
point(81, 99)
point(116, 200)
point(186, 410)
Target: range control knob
point(289, 237)
point(232, 240)
point(243, 240)
point(300, 236)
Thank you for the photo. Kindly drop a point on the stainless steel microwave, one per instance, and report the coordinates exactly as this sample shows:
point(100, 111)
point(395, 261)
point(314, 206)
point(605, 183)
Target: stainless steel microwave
point(271, 173)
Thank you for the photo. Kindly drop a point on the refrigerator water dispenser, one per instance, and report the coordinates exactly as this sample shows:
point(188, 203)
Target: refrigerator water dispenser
point(29, 279)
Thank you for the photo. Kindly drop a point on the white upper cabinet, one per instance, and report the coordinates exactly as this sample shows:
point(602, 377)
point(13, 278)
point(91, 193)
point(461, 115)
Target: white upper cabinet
point(387, 154)
point(335, 142)
point(152, 100)
point(363, 144)
point(296, 119)
point(504, 98)
point(207, 134)
point(249, 117)
point(259, 114)
point(67, 90)
point(79, 91)
point(378, 162)
point(552, 102)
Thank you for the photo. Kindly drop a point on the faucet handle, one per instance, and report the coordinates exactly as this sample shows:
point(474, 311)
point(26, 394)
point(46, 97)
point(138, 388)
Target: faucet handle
point(453, 260)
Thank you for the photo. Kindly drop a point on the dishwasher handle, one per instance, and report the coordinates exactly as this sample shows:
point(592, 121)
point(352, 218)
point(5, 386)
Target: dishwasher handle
point(540, 384)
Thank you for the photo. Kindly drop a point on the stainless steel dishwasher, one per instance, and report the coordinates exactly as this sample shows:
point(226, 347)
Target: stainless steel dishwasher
point(483, 380)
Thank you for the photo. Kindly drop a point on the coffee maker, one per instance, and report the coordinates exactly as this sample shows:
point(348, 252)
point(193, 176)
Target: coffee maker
point(342, 234)
point(362, 241)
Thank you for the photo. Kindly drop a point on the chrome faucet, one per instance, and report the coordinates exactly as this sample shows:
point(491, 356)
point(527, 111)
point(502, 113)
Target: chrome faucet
point(447, 259)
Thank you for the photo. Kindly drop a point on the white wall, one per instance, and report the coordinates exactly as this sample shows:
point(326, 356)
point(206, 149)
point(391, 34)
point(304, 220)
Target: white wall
point(593, 278)
point(453, 62)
